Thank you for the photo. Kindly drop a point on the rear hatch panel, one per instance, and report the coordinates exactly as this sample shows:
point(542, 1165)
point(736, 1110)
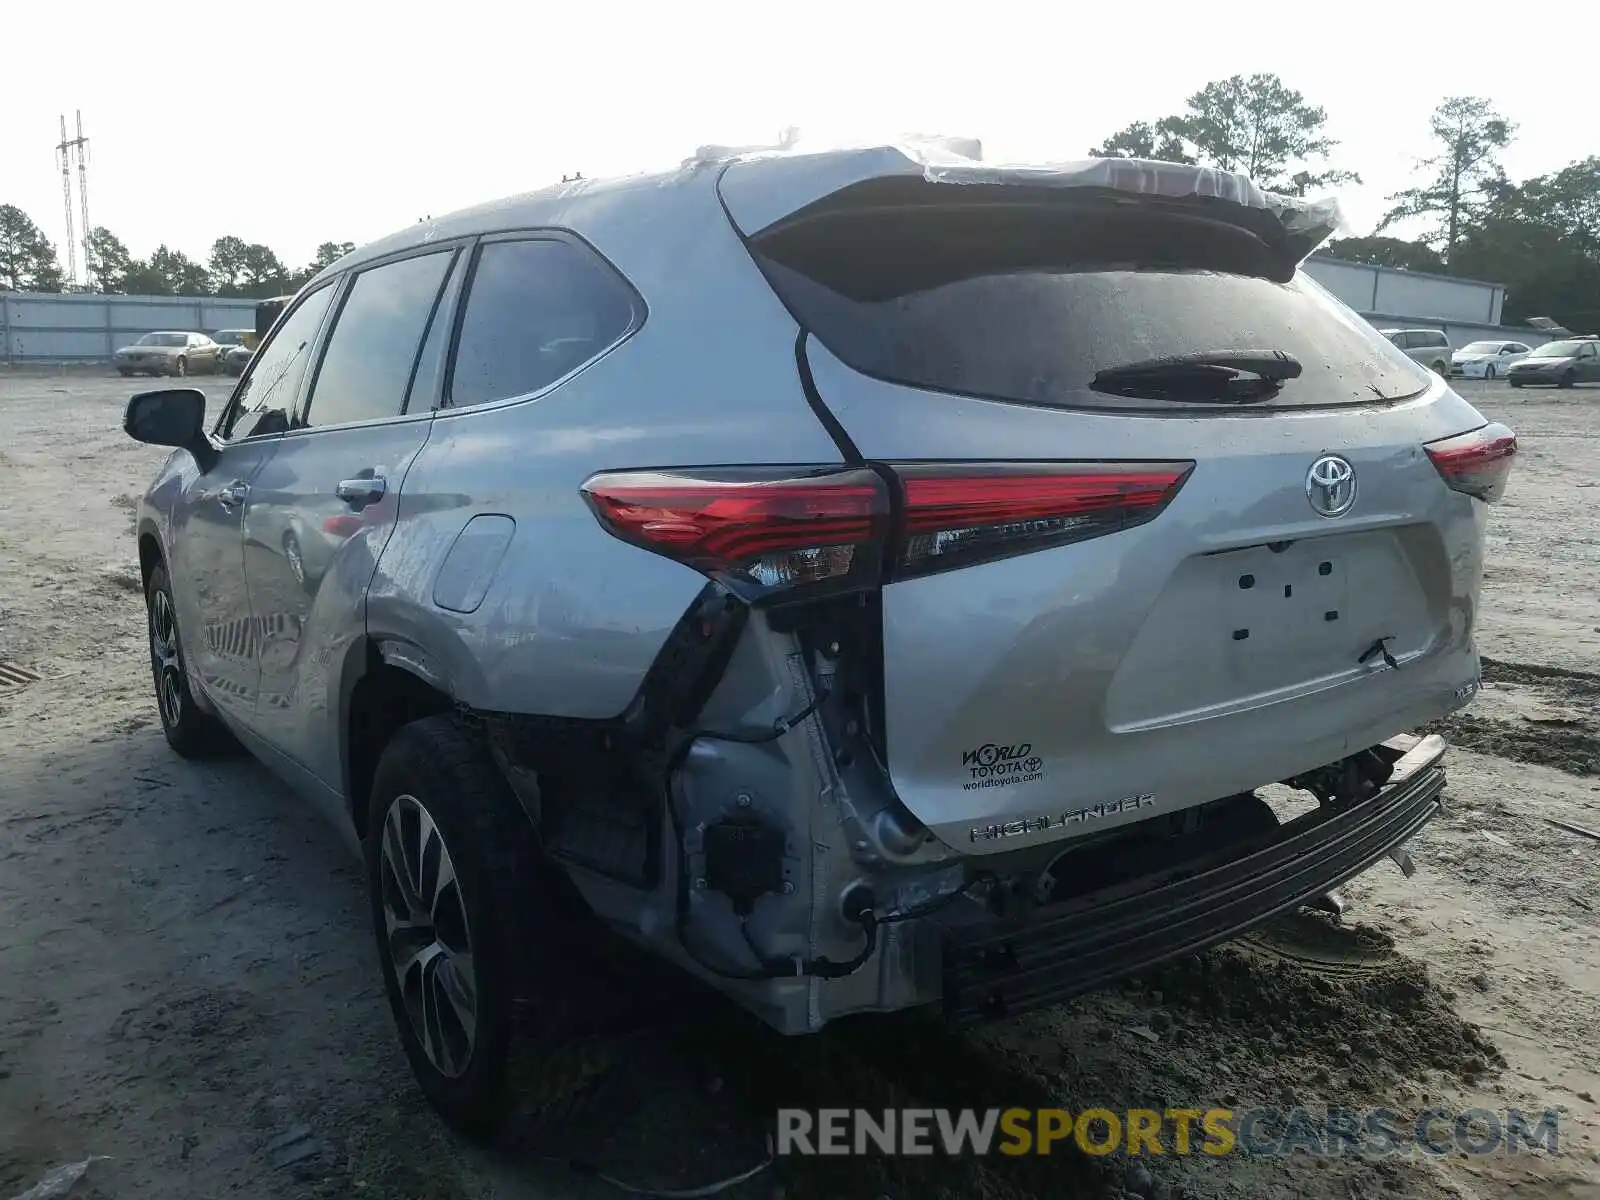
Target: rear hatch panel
point(1241, 636)
point(1114, 662)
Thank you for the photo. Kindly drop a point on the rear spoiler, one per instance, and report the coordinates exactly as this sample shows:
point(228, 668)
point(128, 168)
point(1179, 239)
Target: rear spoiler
point(762, 189)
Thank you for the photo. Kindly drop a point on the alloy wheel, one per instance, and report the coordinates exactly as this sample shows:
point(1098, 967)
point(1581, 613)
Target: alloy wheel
point(166, 660)
point(428, 936)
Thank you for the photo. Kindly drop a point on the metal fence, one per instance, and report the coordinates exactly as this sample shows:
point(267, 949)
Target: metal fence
point(38, 327)
point(42, 328)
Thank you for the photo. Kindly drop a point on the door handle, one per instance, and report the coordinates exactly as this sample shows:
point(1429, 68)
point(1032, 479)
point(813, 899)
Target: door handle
point(233, 495)
point(362, 491)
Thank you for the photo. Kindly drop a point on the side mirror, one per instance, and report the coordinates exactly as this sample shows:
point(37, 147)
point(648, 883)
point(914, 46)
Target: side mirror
point(172, 417)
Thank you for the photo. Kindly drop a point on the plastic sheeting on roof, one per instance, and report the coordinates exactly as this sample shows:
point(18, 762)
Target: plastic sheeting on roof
point(799, 174)
point(1143, 177)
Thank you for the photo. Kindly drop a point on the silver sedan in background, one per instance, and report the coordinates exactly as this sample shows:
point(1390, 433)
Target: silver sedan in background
point(169, 353)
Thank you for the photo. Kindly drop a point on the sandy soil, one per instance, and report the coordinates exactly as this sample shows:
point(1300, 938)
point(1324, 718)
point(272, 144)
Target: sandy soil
point(187, 984)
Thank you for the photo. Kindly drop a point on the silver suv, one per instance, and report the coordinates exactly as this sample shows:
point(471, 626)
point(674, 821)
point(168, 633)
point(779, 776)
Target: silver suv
point(1430, 347)
point(866, 580)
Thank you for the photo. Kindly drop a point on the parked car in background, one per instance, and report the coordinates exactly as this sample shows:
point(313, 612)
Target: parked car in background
point(1559, 364)
point(1429, 347)
point(237, 346)
point(231, 337)
point(593, 560)
point(235, 359)
point(168, 353)
point(1486, 360)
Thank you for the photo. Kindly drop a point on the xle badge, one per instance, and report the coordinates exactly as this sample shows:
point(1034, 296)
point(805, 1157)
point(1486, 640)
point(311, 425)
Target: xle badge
point(992, 765)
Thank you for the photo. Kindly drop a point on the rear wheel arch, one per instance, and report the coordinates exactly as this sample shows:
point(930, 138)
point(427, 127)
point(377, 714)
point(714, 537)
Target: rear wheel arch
point(150, 555)
point(380, 699)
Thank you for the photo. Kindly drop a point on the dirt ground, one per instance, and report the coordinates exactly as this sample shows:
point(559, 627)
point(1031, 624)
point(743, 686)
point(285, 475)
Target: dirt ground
point(188, 988)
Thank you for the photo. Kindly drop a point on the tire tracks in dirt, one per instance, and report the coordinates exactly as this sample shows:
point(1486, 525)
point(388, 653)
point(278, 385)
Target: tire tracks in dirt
point(1563, 733)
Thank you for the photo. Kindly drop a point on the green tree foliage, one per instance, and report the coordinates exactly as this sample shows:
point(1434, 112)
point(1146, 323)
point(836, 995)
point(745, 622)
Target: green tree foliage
point(1463, 178)
point(109, 261)
point(234, 268)
point(329, 253)
point(181, 275)
point(28, 261)
point(227, 265)
point(142, 279)
point(263, 275)
point(1542, 240)
point(1387, 252)
point(1160, 140)
point(1254, 124)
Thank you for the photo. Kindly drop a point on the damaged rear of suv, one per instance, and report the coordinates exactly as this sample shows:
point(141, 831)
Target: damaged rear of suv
point(895, 594)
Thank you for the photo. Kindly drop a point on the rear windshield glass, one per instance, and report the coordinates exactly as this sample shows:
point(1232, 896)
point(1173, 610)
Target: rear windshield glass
point(1027, 303)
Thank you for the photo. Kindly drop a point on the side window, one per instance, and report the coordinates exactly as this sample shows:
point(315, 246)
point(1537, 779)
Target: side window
point(537, 310)
point(266, 394)
point(376, 338)
point(426, 379)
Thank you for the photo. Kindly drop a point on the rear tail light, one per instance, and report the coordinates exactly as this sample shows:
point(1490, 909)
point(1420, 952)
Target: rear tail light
point(760, 532)
point(964, 513)
point(797, 532)
point(1477, 463)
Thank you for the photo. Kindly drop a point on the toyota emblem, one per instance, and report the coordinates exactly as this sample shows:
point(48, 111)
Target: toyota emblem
point(1331, 485)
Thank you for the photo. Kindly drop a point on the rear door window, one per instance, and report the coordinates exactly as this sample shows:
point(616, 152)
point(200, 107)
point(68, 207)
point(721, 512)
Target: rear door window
point(537, 310)
point(1027, 302)
point(372, 351)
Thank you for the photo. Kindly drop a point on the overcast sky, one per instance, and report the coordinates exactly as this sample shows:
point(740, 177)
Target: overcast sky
point(293, 123)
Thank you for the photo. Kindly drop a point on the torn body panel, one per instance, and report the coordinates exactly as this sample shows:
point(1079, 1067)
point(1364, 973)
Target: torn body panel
point(741, 824)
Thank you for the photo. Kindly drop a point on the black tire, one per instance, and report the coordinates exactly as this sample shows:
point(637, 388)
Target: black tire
point(1516, 383)
point(527, 1057)
point(1568, 380)
point(1488, 372)
point(1442, 370)
point(189, 731)
point(180, 367)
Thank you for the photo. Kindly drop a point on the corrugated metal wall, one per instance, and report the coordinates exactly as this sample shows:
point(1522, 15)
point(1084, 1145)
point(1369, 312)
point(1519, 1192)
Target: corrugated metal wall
point(1427, 298)
point(38, 327)
point(1466, 310)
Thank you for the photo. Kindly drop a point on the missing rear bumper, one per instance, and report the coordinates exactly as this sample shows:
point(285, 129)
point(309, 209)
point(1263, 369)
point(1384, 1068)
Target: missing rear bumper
point(993, 970)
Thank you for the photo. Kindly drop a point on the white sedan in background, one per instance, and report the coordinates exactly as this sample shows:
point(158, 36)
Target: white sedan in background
point(1485, 360)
